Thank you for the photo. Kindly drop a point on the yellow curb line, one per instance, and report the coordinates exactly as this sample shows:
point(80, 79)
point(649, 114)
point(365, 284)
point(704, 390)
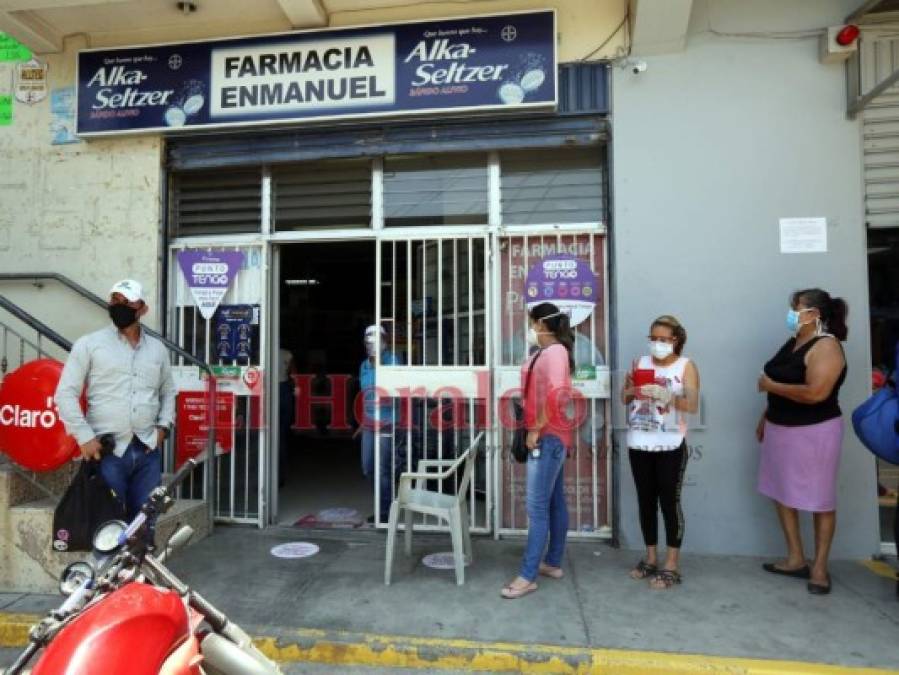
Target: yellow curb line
point(880, 568)
point(393, 651)
point(390, 651)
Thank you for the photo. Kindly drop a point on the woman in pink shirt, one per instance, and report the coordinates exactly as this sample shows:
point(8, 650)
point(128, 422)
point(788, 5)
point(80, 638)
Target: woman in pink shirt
point(548, 440)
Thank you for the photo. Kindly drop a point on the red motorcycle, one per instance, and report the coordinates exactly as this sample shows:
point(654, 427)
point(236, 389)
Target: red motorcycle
point(127, 613)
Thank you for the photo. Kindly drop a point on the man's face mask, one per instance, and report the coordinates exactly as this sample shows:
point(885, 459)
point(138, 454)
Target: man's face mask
point(122, 315)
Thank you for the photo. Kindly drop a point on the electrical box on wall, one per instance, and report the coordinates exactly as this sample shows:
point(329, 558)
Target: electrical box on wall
point(838, 43)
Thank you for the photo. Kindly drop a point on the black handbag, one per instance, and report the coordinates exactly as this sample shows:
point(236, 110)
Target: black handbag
point(519, 436)
point(87, 504)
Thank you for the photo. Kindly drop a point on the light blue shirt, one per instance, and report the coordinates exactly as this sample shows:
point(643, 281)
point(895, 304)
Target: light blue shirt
point(367, 384)
point(130, 390)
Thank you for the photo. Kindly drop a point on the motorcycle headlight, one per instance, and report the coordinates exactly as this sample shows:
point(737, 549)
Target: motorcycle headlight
point(73, 576)
point(106, 538)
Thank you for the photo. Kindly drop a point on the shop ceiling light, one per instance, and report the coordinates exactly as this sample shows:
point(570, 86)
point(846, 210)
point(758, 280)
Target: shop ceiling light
point(302, 282)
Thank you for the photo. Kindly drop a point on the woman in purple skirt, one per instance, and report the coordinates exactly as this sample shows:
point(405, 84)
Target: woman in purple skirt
point(801, 431)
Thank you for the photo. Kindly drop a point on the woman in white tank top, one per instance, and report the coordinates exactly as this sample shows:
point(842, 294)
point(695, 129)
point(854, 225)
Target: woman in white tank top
point(660, 391)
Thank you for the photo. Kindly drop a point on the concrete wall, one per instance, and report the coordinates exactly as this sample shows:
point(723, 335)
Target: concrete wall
point(711, 147)
point(90, 211)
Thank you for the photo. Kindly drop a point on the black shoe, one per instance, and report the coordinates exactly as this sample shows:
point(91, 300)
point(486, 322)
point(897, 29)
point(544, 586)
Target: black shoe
point(819, 589)
point(803, 572)
point(371, 519)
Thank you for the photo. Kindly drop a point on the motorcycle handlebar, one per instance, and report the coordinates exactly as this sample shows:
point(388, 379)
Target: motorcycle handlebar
point(23, 659)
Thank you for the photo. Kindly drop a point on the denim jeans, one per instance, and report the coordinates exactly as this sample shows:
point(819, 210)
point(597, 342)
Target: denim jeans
point(547, 511)
point(389, 469)
point(132, 477)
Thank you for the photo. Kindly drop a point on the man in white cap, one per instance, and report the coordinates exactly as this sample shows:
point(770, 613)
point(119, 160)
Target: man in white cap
point(383, 427)
point(130, 394)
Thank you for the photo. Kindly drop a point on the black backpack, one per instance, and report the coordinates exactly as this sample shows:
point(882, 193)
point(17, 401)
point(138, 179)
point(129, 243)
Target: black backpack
point(87, 504)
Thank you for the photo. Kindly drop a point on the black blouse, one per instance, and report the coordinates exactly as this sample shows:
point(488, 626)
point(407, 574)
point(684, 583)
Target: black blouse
point(788, 367)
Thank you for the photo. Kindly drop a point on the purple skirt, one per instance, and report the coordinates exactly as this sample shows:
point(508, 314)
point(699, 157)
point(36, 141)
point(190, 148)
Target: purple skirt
point(798, 465)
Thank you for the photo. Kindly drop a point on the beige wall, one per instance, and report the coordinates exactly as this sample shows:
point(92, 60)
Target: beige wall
point(582, 24)
point(90, 211)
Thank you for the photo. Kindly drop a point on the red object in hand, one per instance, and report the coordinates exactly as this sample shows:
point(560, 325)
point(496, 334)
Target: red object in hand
point(644, 376)
point(31, 433)
point(847, 35)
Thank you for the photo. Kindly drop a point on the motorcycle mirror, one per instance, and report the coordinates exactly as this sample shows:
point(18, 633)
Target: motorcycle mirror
point(74, 576)
point(108, 535)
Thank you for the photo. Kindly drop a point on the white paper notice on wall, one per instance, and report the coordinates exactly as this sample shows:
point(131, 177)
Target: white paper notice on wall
point(803, 235)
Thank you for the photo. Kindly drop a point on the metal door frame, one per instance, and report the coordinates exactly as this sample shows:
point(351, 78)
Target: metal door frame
point(176, 329)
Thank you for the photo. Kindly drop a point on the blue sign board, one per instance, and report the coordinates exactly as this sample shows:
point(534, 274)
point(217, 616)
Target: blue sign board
point(503, 62)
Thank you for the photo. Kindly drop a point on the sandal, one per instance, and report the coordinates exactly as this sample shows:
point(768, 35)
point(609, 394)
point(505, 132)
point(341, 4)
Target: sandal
point(819, 589)
point(511, 592)
point(550, 571)
point(643, 570)
point(665, 579)
point(803, 572)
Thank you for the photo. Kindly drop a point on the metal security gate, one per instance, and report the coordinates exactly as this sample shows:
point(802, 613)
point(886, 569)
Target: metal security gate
point(238, 469)
point(434, 302)
point(588, 469)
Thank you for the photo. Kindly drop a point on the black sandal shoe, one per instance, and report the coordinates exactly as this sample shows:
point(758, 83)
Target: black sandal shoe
point(819, 589)
point(665, 579)
point(803, 572)
point(644, 570)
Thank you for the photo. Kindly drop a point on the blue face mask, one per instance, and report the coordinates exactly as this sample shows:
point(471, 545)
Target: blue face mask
point(793, 315)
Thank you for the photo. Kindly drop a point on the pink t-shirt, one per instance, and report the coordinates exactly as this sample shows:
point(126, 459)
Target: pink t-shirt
point(550, 386)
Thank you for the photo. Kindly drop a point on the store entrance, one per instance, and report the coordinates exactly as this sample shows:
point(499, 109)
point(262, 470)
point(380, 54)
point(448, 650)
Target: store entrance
point(883, 280)
point(326, 302)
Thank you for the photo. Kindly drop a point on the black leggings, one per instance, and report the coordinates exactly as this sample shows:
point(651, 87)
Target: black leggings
point(659, 477)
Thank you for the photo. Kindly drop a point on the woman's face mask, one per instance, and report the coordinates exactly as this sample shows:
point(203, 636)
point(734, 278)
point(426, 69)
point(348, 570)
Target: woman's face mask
point(793, 319)
point(534, 335)
point(661, 350)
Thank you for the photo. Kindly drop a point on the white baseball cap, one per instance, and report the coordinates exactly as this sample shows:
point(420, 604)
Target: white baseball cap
point(373, 330)
point(131, 289)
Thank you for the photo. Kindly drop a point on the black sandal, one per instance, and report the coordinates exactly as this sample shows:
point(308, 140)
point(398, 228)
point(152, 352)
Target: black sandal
point(643, 569)
point(665, 579)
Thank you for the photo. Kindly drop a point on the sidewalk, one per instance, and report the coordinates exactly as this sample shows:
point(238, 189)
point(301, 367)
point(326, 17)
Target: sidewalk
point(334, 608)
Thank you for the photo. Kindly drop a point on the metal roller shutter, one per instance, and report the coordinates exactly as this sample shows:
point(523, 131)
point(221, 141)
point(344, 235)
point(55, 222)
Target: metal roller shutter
point(879, 58)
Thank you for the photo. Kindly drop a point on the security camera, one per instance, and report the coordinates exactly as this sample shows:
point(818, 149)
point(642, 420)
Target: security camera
point(638, 67)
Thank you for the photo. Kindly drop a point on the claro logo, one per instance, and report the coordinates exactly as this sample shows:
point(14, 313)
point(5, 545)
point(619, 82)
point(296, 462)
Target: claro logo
point(15, 416)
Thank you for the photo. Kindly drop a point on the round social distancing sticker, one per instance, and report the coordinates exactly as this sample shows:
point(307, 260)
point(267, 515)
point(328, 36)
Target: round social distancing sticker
point(295, 549)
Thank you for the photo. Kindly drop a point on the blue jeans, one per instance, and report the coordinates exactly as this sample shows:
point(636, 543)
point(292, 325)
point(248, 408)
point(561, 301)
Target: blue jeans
point(389, 469)
point(547, 511)
point(132, 477)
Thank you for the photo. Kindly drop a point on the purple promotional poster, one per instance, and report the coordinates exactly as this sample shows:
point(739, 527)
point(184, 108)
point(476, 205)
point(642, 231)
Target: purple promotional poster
point(209, 275)
point(504, 62)
point(565, 281)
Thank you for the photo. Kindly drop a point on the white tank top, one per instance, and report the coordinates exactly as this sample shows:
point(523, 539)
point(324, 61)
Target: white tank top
point(650, 425)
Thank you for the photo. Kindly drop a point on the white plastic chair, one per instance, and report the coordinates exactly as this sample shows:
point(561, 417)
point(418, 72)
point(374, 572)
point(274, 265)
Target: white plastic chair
point(413, 498)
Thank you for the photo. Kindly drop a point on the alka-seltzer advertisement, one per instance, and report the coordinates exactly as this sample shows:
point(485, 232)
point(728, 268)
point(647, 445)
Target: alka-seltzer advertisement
point(496, 62)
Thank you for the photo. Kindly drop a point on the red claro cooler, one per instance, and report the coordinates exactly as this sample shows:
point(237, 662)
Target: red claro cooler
point(31, 433)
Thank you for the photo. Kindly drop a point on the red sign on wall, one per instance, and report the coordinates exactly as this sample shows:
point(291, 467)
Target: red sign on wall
point(31, 433)
point(191, 427)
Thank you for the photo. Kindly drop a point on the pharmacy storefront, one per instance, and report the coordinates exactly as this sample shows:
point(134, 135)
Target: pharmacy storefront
point(432, 178)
